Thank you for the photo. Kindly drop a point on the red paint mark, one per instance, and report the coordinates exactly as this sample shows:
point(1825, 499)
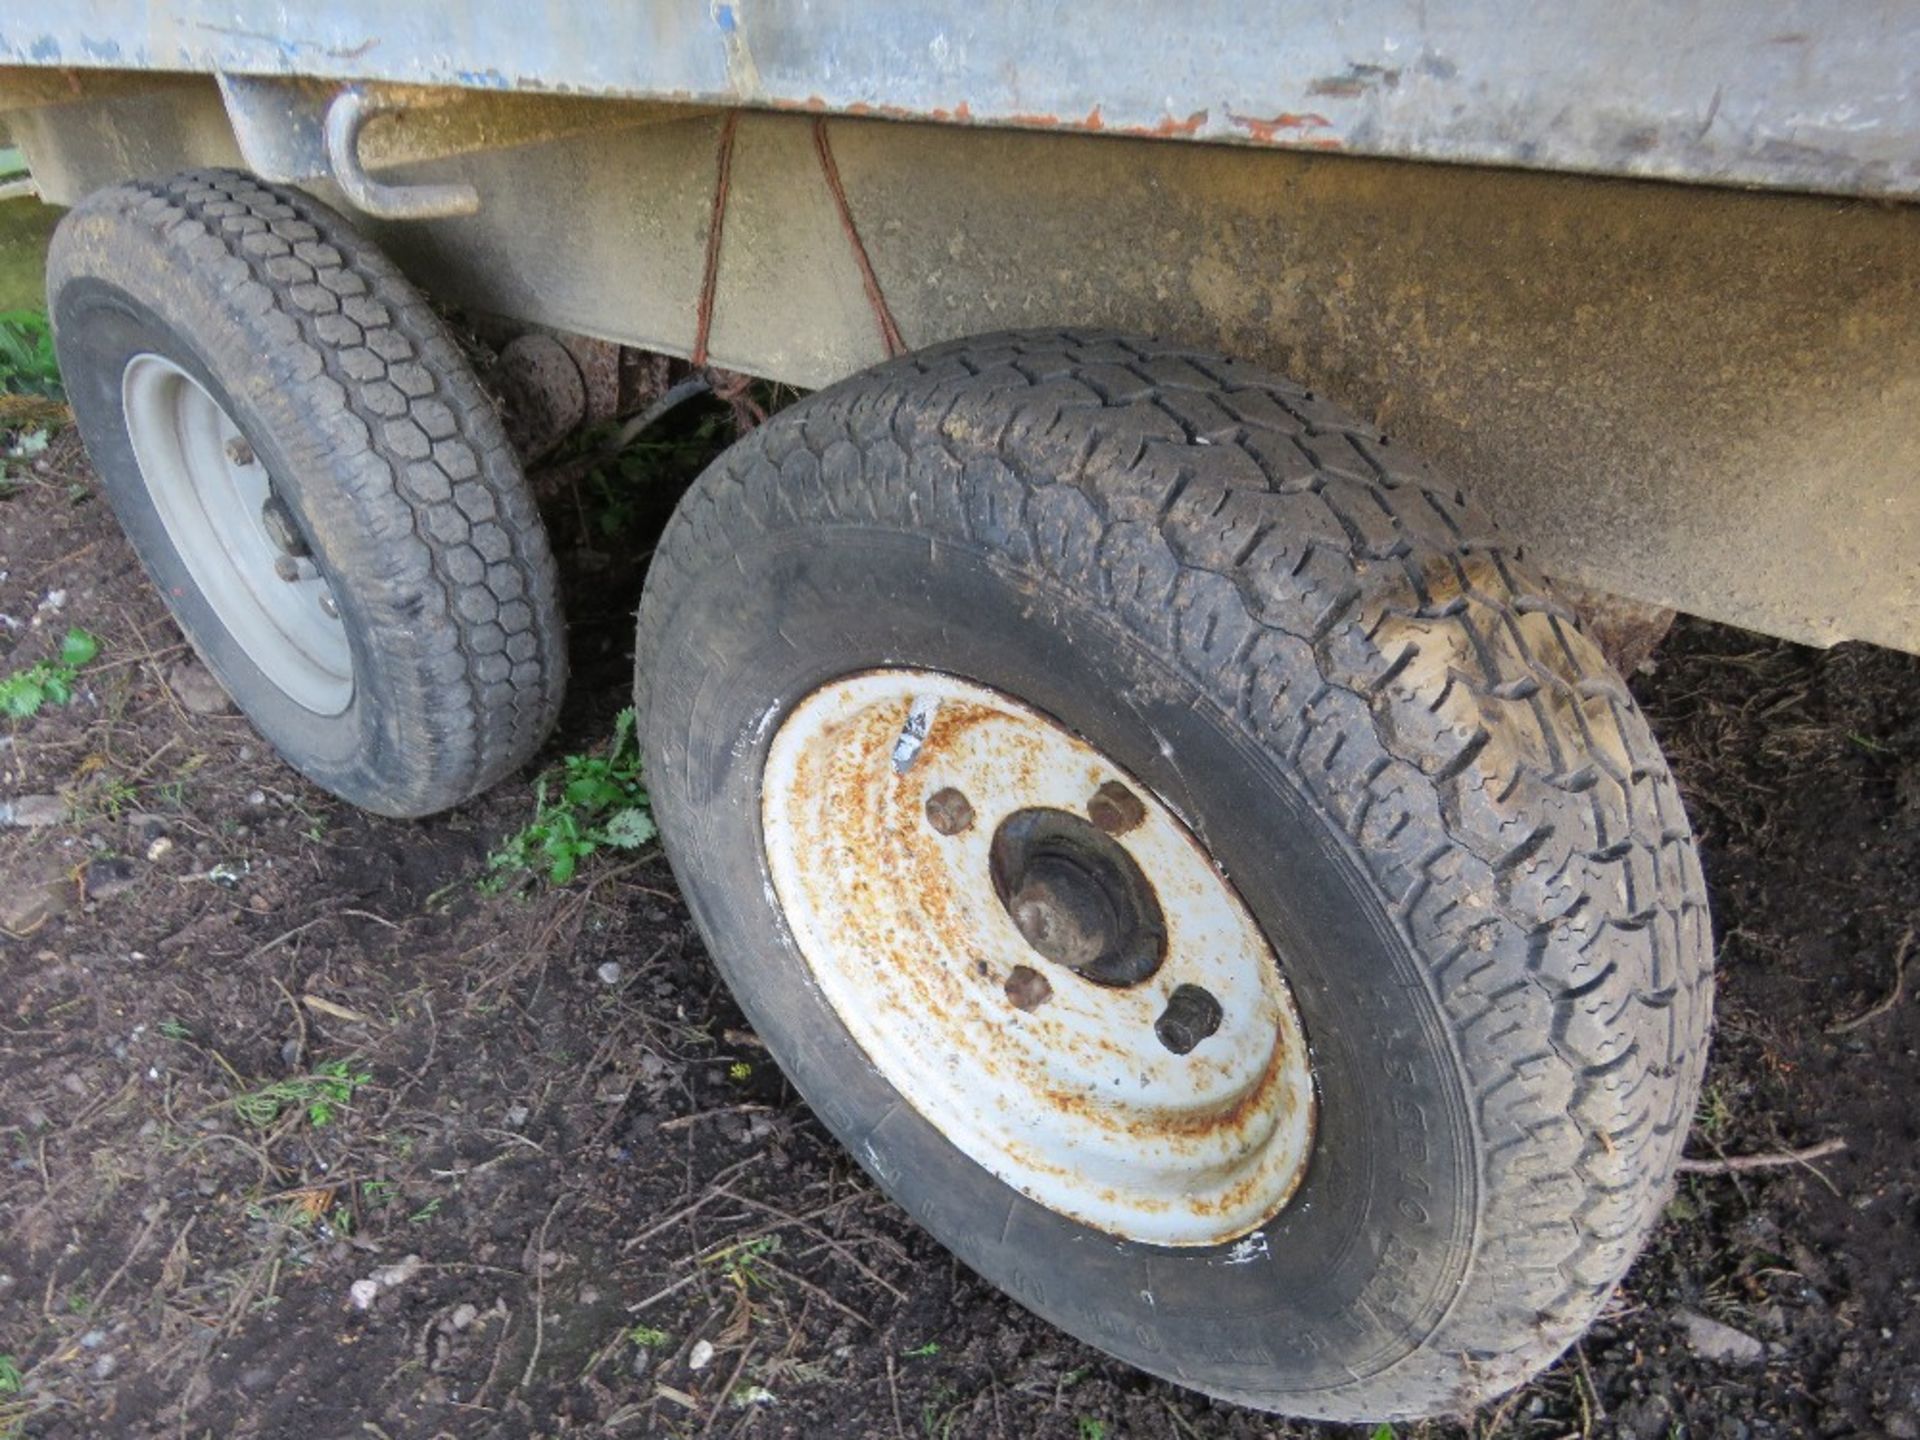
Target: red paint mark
point(1267, 130)
point(1093, 120)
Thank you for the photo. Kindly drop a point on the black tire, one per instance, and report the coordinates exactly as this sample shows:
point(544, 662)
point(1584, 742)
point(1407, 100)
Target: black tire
point(378, 439)
point(1490, 909)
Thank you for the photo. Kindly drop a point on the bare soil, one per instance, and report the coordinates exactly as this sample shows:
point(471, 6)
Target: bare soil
point(625, 1223)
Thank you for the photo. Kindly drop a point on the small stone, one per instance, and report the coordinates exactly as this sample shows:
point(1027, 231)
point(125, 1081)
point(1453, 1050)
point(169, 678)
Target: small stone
point(31, 812)
point(93, 1339)
point(256, 798)
point(701, 1355)
point(1712, 1340)
point(363, 1293)
point(103, 1368)
point(109, 876)
point(609, 973)
point(198, 692)
point(159, 849)
point(464, 1316)
point(391, 1277)
point(40, 896)
point(516, 1116)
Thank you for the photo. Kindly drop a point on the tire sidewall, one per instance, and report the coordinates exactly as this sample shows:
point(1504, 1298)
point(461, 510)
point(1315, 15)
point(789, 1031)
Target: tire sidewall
point(1358, 1269)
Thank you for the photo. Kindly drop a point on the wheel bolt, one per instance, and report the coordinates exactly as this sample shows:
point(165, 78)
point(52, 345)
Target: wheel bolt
point(239, 451)
point(1027, 988)
point(1192, 1014)
point(328, 606)
point(286, 567)
point(948, 811)
point(281, 528)
point(1115, 808)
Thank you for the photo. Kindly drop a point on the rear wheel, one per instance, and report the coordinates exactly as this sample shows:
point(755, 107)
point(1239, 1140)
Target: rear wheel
point(1191, 862)
point(310, 471)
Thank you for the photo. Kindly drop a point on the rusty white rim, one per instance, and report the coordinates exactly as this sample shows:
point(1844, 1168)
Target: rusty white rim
point(235, 537)
point(903, 901)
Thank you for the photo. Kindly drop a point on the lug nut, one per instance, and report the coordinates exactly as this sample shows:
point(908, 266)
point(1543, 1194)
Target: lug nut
point(948, 811)
point(1027, 988)
point(277, 520)
point(239, 451)
point(286, 567)
point(1115, 809)
point(1192, 1014)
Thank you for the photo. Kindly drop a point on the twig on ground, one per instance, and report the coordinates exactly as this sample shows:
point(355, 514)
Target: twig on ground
point(720, 1400)
point(1772, 1160)
point(1893, 995)
point(539, 1250)
point(893, 1392)
point(685, 1121)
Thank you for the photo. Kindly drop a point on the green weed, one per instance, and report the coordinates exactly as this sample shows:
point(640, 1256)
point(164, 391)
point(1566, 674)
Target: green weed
point(600, 803)
point(27, 366)
point(10, 1377)
point(378, 1192)
point(1088, 1428)
point(320, 1096)
point(48, 681)
point(922, 1352)
point(742, 1263)
point(648, 1338)
point(425, 1214)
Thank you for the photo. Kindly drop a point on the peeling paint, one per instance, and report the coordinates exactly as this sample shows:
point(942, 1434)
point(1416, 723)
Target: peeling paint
point(1266, 131)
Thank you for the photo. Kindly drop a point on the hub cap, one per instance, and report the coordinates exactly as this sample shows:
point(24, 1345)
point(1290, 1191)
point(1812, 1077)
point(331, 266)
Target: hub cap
point(1039, 956)
point(237, 538)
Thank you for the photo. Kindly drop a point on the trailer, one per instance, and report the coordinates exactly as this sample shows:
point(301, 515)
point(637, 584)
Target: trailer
point(1145, 738)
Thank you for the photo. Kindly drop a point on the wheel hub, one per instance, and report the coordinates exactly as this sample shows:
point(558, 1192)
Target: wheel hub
point(238, 539)
point(1039, 956)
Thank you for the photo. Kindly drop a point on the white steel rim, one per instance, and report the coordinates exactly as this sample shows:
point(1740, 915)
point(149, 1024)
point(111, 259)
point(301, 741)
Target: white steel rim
point(1076, 1103)
point(213, 496)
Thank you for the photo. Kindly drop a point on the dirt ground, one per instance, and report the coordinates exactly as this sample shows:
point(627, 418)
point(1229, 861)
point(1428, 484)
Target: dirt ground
point(582, 1201)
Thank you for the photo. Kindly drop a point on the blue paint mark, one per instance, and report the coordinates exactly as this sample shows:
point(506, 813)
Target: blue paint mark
point(482, 79)
point(723, 14)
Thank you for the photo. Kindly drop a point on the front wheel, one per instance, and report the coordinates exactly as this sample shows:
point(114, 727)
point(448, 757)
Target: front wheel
point(1189, 860)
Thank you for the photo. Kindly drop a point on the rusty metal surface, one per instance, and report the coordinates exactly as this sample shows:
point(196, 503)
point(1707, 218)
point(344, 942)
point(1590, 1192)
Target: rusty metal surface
point(1174, 1106)
point(1800, 94)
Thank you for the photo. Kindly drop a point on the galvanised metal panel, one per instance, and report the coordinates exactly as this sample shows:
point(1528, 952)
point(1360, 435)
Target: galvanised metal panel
point(1819, 95)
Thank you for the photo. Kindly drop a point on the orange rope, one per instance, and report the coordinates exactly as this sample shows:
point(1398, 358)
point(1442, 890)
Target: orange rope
point(889, 332)
point(716, 224)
